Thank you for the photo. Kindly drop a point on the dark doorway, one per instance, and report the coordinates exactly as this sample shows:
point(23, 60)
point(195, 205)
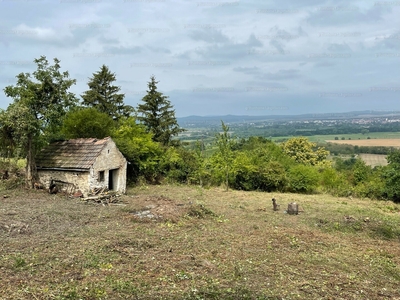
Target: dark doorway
point(113, 179)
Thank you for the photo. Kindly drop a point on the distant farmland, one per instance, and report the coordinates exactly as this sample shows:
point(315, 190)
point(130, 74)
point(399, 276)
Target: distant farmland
point(369, 142)
point(374, 160)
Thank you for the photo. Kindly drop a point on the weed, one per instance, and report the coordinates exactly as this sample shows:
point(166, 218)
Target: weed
point(19, 262)
point(182, 275)
point(124, 287)
point(200, 211)
point(294, 242)
point(91, 260)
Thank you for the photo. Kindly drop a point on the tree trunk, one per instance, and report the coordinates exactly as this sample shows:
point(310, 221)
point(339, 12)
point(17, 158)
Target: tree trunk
point(31, 173)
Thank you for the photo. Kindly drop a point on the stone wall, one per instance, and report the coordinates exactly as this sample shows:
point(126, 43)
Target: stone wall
point(79, 179)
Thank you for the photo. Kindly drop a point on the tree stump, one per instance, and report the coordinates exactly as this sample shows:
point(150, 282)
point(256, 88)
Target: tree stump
point(293, 208)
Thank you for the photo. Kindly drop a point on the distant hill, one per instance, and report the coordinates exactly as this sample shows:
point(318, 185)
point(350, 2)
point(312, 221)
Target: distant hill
point(216, 120)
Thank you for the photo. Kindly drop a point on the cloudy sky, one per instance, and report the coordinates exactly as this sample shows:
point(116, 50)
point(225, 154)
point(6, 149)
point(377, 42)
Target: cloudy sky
point(216, 57)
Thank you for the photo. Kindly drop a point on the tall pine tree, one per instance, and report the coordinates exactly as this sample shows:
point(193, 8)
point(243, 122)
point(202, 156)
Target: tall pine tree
point(104, 96)
point(158, 115)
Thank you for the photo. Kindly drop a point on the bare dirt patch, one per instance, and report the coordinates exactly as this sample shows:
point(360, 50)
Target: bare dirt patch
point(161, 208)
point(369, 142)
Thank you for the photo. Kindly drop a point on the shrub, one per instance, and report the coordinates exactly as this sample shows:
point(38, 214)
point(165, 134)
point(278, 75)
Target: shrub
point(303, 179)
point(272, 177)
point(373, 189)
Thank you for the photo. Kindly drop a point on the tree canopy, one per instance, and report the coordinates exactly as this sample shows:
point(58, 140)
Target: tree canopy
point(87, 123)
point(142, 153)
point(38, 107)
point(104, 96)
point(157, 115)
point(305, 152)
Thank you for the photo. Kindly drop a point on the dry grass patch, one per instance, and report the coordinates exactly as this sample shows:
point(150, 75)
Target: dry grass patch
point(368, 142)
point(374, 160)
point(207, 244)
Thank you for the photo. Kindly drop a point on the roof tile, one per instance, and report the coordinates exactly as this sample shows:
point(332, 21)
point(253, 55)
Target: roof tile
point(71, 154)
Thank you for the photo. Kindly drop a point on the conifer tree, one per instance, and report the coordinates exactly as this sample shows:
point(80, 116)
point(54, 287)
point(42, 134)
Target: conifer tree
point(157, 115)
point(104, 96)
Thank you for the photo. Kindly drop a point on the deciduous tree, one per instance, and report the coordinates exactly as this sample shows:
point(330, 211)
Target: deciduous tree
point(142, 153)
point(224, 156)
point(392, 176)
point(305, 152)
point(40, 102)
point(87, 123)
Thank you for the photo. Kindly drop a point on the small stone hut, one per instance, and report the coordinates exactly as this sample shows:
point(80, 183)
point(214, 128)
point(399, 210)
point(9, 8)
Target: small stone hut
point(84, 164)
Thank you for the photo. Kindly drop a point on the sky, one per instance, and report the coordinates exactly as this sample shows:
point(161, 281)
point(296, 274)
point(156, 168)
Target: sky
point(216, 57)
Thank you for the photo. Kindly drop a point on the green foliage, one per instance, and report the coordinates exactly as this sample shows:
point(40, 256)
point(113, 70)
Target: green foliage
point(104, 96)
point(374, 188)
point(392, 176)
point(272, 177)
point(180, 165)
point(243, 172)
point(18, 125)
point(330, 179)
point(200, 211)
point(38, 108)
point(19, 262)
point(361, 171)
point(303, 179)
point(223, 158)
point(305, 152)
point(335, 183)
point(87, 123)
point(344, 164)
point(10, 175)
point(142, 153)
point(157, 115)
point(346, 149)
point(201, 174)
point(8, 144)
point(266, 176)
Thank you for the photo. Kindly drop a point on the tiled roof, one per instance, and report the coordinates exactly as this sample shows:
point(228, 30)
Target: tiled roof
point(72, 154)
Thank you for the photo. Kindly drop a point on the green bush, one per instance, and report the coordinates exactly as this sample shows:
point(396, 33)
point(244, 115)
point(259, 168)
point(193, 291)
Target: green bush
point(179, 165)
point(361, 171)
point(271, 177)
point(373, 189)
point(254, 171)
point(303, 179)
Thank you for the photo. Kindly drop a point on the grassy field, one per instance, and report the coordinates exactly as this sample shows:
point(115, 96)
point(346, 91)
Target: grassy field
point(171, 242)
point(323, 138)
